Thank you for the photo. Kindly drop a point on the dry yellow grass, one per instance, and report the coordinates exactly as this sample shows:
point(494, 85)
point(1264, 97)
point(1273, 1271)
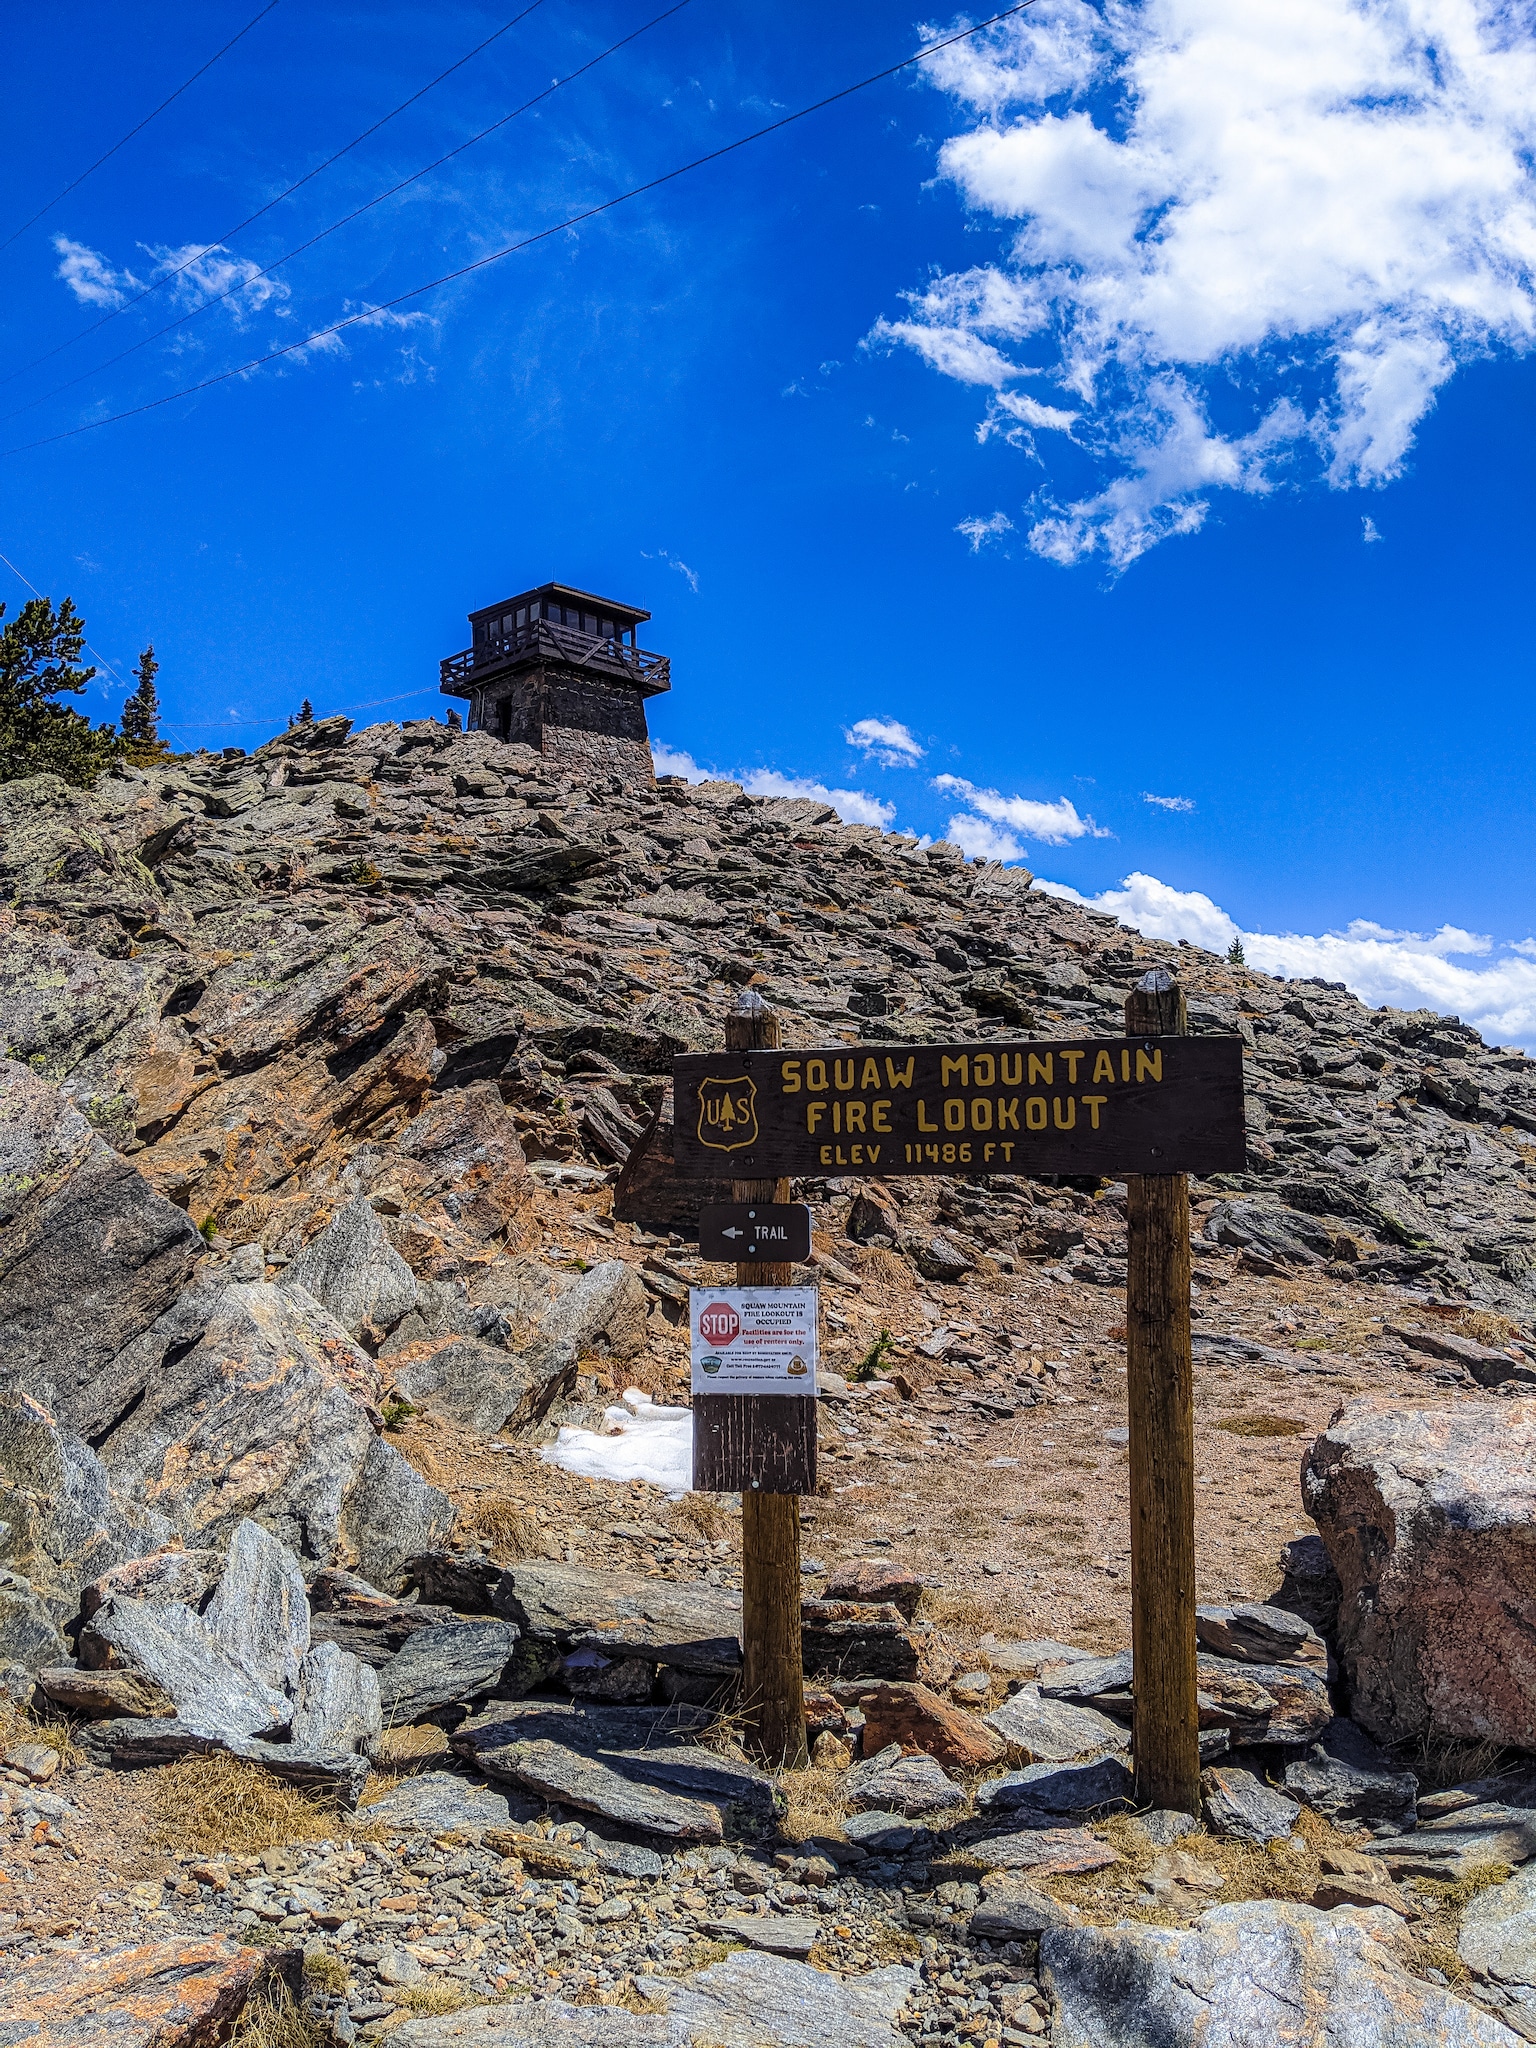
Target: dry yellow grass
point(815, 1803)
point(507, 1531)
point(277, 2022)
point(438, 1996)
point(1262, 1425)
point(704, 1513)
point(16, 1726)
point(212, 1804)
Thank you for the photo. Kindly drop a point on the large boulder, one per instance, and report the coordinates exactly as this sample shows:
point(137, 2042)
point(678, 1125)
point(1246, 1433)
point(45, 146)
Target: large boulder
point(247, 1399)
point(1429, 1516)
point(157, 1994)
point(62, 1525)
point(90, 1254)
point(1265, 1970)
point(1498, 1946)
point(353, 1270)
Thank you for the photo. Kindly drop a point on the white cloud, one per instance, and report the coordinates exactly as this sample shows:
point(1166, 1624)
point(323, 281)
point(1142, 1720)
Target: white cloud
point(853, 806)
point(887, 739)
point(1168, 803)
point(1369, 530)
point(1410, 970)
point(981, 839)
point(208, 271)
point(1317, 209)
point(91, 277)
point(979, 531)
point(1052, 824)
point(689, 576)
point(672, 761)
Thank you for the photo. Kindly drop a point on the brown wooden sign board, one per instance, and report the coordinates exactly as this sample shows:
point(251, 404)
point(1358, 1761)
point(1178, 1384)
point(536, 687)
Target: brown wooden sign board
point(733, 1232)
point(1110, 1106)
point(744, 1443)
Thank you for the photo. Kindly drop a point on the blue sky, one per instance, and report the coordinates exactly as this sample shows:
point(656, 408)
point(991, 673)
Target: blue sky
point(1127, 405)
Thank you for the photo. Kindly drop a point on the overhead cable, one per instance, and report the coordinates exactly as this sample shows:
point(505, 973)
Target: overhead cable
point(244, 284)
point(228, 234)
point(176, 95)
point(372, 313)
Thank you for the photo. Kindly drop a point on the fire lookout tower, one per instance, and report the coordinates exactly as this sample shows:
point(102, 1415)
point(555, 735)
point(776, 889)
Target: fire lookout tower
point(559, 670)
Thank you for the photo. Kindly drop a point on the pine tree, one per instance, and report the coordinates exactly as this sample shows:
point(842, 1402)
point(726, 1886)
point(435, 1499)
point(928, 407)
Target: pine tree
point(141, 716)
point(1235, 954)
point(304, 716)
point(39, 660)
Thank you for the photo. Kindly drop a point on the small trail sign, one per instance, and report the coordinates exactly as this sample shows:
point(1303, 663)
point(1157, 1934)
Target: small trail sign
point(735, 1231)
point(1110, 1106)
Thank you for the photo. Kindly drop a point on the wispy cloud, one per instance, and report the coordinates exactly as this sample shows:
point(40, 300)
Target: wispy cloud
point(1168, 803)
point(979, 531)
point(90, 277)
point(1049, 824)
point(1369, 530)
point(1410, 970)
point(689, 576)
point(887, 740)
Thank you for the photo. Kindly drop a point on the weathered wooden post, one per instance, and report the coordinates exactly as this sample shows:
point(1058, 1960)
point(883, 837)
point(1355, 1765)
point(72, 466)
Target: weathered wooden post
point(763, 1435)
point(1160, 1391)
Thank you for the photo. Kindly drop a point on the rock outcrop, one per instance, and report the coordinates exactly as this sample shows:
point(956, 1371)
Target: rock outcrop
point(1430, 1520)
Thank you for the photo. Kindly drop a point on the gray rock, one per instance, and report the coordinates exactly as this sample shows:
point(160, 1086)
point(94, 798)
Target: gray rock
point(1309, 1586)
point(592, 1786)
point(1429, 1516)
point(1015, 1911)
point(259, 1614)
point(751, 1999)
point(169, 1574)
point(937, 1258)
point(336, 1774)
point(747, 2001)
point(398, 1967)
point(437, 1666)
point(1084, 1679)
point(627, 1858)
point(1498, 1945)
point(1163, 1826)
point(1048, 1851)
point(1285, 1704)
point(901, 1784)
point(1470, 1839)
point(775, 1934)
point(882, 1833)
point(1242, 1806)
point(249, 1364)
point(61, 1525)
point(104, 1695)
point(1262, 1971)
point(336, 1701)
point(178, 1650)
point(1053, 1730)
point(1345, 1777)
point(1256, 1634)
point(1028, 1659)
point(353, 1270)
point(481, 1386)
point(689, 1626)
point(438, 1801)
point(1058, 1788)
point(90, 1254)
point(390, 1515)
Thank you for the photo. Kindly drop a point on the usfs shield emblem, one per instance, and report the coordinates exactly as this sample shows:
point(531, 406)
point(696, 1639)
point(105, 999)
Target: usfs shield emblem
point(728, 1114)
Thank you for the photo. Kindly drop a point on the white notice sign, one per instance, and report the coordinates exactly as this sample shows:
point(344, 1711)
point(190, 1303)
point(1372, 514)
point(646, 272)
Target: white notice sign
point(753, 1340)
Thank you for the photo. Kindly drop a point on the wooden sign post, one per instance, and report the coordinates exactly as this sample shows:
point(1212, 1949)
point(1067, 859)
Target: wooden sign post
point(1160, 1394)
point(1151, 1108)
point(765, 1445)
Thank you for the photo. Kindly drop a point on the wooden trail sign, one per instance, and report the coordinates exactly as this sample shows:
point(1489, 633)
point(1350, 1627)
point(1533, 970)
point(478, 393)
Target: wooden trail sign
point(1112, 1106)
point(764, 1447)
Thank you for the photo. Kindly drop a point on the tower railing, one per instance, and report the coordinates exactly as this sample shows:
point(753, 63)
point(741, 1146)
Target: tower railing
point(464, 671)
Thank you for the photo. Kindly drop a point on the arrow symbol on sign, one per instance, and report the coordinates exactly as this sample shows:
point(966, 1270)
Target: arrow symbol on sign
point(733, 1232)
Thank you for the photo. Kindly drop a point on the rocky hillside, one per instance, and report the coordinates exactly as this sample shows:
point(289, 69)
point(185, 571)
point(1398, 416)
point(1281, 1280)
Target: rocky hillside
point(255, 974)
point(336, 1182)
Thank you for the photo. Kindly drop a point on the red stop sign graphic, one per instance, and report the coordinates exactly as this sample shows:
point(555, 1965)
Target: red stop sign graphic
point(719, 1323)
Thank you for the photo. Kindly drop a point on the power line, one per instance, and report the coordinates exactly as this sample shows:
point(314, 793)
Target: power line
point(228, 234)
point(111, 671)
point(372, 313)
point(176, 95)
point(245, 283)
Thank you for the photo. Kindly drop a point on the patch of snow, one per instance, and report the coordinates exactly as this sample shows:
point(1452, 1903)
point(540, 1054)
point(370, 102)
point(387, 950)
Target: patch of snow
point(638, 1440)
